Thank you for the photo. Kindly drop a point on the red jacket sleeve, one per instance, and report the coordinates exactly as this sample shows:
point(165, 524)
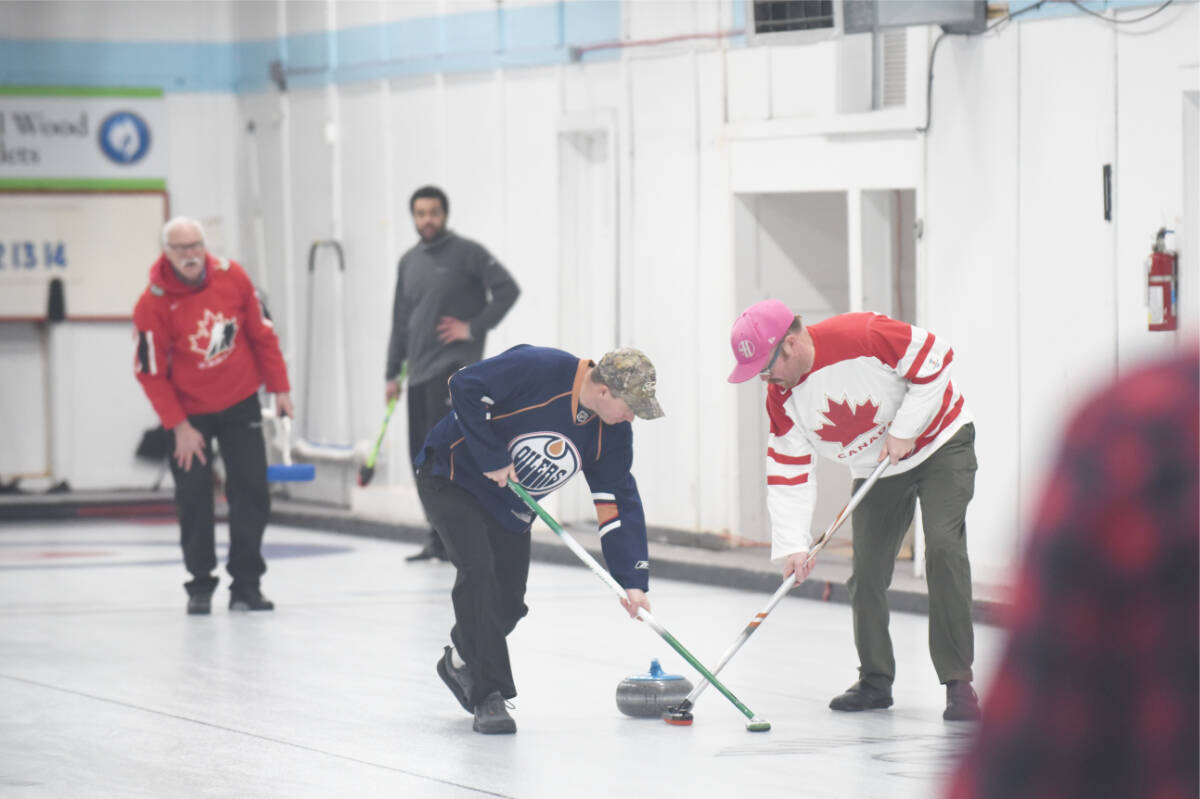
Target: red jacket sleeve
point(151, 361)
point(260, 331)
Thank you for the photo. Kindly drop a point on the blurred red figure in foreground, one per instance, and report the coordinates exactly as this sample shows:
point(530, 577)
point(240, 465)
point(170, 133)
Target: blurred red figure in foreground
point(1098, 692)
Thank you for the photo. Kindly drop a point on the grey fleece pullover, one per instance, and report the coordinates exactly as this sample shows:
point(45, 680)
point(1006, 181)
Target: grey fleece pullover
point(449, 276)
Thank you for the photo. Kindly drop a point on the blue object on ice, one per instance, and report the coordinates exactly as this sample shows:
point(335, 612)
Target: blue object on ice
point(291, 473)
point(655, 673)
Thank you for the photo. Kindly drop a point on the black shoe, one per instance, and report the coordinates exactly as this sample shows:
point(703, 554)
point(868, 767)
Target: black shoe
point(457, 680)
point(861, 696)
point(491, 716)
point(199, 604)
point(249, 599)
point(962, 703)
point(434, 549)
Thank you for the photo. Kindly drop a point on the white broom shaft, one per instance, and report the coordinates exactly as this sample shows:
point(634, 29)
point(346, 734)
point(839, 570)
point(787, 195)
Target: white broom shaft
point(603, 574)
point(744, 636)
point(590, 562)
point(790, 581)
point(643, 614)
point(855, 498)
point(285, 445)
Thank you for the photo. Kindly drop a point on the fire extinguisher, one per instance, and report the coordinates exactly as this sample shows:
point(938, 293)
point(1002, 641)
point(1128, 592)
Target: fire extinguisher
point(1161, 284)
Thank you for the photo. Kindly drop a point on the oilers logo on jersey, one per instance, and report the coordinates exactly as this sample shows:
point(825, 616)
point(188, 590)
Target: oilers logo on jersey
point(544, 461)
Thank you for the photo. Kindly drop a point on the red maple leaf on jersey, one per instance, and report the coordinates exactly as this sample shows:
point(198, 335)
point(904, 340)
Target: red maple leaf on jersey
point(846, 422)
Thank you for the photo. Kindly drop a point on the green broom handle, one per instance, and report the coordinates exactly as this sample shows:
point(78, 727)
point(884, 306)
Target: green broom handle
point(643, 614)
point(391, 406)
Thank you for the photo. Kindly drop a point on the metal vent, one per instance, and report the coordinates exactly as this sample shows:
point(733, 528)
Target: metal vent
point(783, 16)
point(891, 68)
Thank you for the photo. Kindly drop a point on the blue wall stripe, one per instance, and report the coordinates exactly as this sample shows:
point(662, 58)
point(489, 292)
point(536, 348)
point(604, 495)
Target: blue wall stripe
point(527, 36)
point(540, 28)
point(172, 67)
point(590, 23)
point(252, 60)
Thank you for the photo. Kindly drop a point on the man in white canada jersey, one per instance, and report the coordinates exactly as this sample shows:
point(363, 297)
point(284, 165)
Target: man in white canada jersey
point(858, 388)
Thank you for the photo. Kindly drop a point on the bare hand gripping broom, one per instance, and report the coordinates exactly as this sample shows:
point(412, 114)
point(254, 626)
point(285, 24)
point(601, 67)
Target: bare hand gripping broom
point(755, 724)
point(681, 714)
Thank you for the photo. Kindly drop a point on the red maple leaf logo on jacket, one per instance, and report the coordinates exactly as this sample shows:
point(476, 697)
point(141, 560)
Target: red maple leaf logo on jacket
point(846, 422)
point(214, 338)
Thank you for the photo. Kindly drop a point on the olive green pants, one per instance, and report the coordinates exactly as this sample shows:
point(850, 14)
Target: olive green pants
point(945, 484)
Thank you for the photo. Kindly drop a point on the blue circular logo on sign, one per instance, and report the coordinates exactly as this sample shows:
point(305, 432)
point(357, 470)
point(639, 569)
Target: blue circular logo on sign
point(124, 137)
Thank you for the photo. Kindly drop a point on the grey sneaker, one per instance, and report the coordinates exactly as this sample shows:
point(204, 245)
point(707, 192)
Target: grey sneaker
point(199, 604)
point(861, 696)
point(249, 599)
point(491, 716)
point(962, 704)
point(457, 680)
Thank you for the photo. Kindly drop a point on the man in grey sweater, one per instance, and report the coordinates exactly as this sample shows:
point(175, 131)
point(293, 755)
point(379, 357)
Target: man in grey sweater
point(449, 292)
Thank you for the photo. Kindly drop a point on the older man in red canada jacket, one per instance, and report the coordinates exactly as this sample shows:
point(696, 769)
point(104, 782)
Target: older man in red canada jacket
point(205, 344)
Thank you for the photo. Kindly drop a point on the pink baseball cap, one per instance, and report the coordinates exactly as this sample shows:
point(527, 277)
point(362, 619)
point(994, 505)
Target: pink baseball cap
point(755, 335)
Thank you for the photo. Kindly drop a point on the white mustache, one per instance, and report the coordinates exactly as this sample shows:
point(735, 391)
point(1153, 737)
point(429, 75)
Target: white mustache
point(192, 262)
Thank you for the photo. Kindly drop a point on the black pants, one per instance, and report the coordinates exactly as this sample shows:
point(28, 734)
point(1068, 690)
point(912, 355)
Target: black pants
point(489, 591)
point(428, 402)
point(238, 430)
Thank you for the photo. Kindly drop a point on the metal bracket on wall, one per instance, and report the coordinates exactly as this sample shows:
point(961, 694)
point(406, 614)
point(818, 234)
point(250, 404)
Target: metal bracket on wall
point(1108, 192)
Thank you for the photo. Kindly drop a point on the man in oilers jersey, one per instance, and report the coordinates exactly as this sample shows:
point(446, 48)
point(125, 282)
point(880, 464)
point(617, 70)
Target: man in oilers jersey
point(858, 388)
point(537, 416)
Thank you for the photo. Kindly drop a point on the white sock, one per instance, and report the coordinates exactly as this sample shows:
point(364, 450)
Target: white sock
point(455, 660)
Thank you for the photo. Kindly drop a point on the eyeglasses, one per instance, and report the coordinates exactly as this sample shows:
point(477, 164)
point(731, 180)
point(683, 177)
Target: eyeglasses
point(766, 372)
point(191, 245)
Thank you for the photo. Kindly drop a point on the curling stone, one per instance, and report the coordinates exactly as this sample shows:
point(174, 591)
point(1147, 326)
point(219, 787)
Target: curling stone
point(649, 695)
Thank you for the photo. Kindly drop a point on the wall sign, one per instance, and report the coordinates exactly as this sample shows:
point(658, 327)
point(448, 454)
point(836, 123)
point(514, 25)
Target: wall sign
point(57, 138)
point(82, 197)
point(99, 245)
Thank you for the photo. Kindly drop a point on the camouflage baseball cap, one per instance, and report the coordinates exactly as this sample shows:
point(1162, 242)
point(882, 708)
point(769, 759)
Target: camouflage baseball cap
point(629, 374)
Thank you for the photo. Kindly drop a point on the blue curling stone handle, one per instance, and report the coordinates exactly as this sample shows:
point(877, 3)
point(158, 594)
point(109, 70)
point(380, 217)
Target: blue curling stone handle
point(655, 673)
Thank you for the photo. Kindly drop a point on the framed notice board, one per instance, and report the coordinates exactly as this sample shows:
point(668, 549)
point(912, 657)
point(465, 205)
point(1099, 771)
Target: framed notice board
point(100, 244)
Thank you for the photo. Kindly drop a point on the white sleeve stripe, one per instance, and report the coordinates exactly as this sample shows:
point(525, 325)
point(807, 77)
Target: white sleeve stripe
point(781, 470)
point(914, 349)
point(926, 357)
point(600, 496)
point(608, 528)
point(487, 400)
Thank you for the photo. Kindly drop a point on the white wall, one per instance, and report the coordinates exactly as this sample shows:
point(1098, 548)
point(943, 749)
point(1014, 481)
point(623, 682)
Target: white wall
point(118, 20)
point(93, 404)
point(24, 408)
point(1156, 65)
point(1066, 273)
point(1189, 233)
point(968, 287)
point(1039, 296)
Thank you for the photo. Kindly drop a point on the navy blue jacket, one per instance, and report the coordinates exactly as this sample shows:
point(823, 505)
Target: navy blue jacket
point(522, 407)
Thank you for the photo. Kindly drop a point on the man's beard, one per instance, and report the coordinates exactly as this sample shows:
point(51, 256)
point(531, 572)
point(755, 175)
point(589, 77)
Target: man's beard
point(434, 236)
